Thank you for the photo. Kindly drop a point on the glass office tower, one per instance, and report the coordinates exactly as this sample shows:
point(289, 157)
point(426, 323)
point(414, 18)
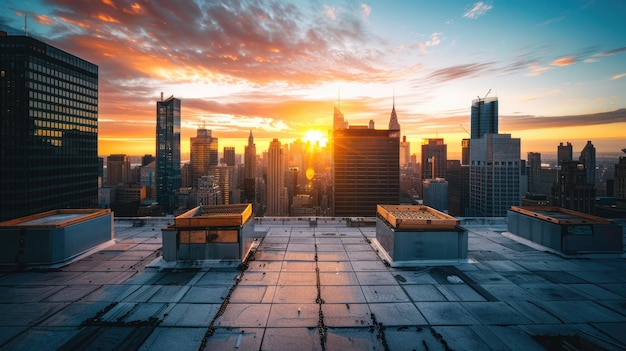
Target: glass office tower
point(484, 117)
point(168, 172)
point(49, 128)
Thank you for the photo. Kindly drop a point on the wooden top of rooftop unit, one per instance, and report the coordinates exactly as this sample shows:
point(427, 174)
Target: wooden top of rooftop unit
point(55, 218)
point(416, 217)
point(215, 216)
point(559, 215)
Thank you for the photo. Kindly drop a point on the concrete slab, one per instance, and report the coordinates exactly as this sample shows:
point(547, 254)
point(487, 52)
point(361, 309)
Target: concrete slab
point(29, 313)
point(235, 339)
point(376, 278)
point(342, 339)
point(249, 294)
point(169, 294)
point(495, 313)
point(27, 293)
point(279, 339)
point(338, 278)
point(300, 256)
point(397, 314)
point(461, 338)
point(512, 337)
point(581, 312)
point(549, 292)
point(259, 278)
point(73, 315)
point(295, 294)
point(342, 294)
point(344, 266)
point(346, 314)
point(423, 293)
point(299, 278)
point(537, 314)
point(332, 256)
point(384, 293)
point(368, 265)
point(293, 315)
point(190, 315)
point(168, 338)
point(460, 292)
point(206, 294)
point(298, 266)
point(445, 313)
point(41, 338)
point(242, 315)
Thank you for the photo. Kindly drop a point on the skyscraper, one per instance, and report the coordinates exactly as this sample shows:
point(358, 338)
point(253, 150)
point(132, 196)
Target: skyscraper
point(588, 158)
point(484, 117)
point(338, 119)
point(534, 170)
point(393, 119)
point(229, 155)
point(203, 153)
point(405, 152)
point(572, 190)
point(118, 169)
point(366, 170)
point(434, 158)
point(564, 153)
point(495, 170)
point(619, 185)
point(249, 178)
point(48, 128)
point(168, 171)
point(277, 204)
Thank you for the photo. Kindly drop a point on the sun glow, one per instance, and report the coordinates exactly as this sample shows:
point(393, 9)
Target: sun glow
point(316, 137)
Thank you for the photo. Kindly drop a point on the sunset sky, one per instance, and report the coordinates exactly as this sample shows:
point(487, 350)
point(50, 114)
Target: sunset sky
point(277, 68)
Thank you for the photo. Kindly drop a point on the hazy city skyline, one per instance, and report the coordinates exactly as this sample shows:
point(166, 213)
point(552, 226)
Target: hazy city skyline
point(278, 68)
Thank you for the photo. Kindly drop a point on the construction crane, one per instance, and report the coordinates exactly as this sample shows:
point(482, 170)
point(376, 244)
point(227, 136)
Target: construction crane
point(479, 99)
point(468, 133)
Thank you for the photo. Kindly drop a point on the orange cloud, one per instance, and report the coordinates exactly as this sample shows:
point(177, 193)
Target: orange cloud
point(564, 61)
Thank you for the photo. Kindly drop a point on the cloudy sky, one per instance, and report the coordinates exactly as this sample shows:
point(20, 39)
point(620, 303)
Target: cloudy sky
point(278, 68)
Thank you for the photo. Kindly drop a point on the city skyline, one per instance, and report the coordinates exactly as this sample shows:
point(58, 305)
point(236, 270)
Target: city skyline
point(279, 68)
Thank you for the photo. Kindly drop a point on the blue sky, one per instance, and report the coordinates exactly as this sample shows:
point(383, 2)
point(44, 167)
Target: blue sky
point(277, 68)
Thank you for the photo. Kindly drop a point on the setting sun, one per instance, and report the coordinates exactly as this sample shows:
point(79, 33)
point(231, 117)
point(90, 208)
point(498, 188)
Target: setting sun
point(316, 137)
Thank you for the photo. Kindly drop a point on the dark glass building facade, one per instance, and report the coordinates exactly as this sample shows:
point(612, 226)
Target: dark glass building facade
point(366, 170)
point(168, 172)
point(49, 128)
point(484, 117)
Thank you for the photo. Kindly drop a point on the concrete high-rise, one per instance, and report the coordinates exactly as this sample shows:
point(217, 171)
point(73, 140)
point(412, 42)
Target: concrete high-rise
point(619, 182)
point(588, 158)
point(366, 170)
point(434, 158)
point(534, 171)
point(572, 190)
point(405, 152)
point(229, 156)
point(495, 170)
point(203, 153)
point(484, 117)
point(249, 177)
point(564, 153)
point(118, 169)
point(277, 202)
point(48, 128)
point(168, 169)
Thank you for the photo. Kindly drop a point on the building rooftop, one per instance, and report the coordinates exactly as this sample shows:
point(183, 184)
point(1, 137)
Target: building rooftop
point(317, 287)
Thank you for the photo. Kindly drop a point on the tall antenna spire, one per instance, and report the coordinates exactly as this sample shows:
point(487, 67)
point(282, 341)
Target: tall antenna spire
point(339, 99)
point(26, 24)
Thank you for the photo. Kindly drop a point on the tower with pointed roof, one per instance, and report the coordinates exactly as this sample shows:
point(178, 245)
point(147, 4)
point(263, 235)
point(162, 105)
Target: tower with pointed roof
point(393, 119)
point(249, 179)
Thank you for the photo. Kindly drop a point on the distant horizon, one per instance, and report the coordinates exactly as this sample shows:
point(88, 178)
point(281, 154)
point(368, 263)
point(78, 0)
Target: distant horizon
point(279, 67)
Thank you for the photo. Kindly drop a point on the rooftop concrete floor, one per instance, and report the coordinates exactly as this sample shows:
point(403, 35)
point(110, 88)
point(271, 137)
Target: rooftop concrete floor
point(322, 288)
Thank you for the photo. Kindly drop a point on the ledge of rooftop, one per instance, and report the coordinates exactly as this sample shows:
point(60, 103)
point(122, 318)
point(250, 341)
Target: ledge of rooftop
point(317, 287)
